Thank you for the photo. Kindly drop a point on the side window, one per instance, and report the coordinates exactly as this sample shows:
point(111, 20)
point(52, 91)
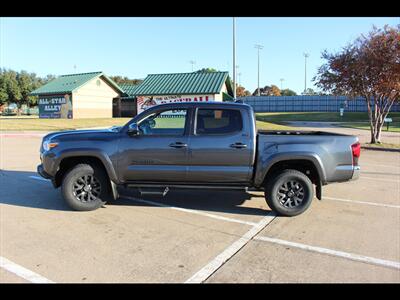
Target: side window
point(218, 121)
point(168, 122)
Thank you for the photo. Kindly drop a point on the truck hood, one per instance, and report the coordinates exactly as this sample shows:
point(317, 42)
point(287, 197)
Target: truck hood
point(85, 133)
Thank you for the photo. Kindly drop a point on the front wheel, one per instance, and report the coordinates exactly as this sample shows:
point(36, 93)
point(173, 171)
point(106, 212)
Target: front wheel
point(85, 187)
point(290, 193)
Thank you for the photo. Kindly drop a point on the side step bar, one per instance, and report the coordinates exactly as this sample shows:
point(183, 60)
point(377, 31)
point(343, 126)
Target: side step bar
point(153, 191)
point(162, 190)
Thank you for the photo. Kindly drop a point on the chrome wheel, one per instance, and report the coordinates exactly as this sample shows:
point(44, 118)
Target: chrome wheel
point(86, 188)
point(290, 194)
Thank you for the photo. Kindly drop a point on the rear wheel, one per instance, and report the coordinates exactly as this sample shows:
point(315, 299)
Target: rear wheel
point(85, 187)
point(290, 193)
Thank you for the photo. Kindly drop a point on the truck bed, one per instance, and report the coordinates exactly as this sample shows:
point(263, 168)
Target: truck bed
point(330, 151)
point(298, 132)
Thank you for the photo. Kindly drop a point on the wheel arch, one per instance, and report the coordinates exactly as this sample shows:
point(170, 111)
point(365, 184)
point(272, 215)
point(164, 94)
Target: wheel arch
point(70, 159)
point(309, 165)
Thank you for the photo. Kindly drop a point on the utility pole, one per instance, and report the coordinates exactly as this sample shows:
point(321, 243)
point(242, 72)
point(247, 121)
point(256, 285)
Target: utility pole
point(258, 47)
point(305, 71)
point(192, 62)
point(239, 74)
point(281, 83)
point(75, 69)
point(234, 59)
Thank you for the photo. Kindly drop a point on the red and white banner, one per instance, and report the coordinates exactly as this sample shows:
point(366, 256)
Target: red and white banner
point(145, 102)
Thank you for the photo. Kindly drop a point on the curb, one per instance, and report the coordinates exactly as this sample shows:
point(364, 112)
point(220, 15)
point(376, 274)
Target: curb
point(380, 149)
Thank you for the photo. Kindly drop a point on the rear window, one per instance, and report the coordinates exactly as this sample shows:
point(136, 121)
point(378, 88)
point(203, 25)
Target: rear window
point(218, 121)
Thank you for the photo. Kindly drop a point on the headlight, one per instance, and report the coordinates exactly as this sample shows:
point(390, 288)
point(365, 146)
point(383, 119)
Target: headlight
point(47, 145)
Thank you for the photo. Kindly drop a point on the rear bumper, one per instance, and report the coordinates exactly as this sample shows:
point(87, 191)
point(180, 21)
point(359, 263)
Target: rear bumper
point(356, 173)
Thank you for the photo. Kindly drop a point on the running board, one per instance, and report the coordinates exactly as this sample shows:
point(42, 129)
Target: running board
point(153, 191)
point(160, 188)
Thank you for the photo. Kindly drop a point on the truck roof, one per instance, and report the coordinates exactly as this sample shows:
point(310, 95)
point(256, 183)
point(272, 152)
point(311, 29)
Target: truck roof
point(209, 103)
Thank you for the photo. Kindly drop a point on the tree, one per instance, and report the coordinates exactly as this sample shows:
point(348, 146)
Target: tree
point(310, 92)
point(275, 91)
point(26, 85)
point(11, 86)
point(368, 67)
point(3, 88)
point(272, 90)
point(120, 79)
point(16, 86)
point(206, 70)
point(288, 92)
point(241, 91)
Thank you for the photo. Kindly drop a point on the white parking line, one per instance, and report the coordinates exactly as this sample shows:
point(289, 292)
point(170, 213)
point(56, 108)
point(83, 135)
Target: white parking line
point(230, 219)
point(39, 178)
point(361, 202)
point(351, 256)
point(22, 272)
point(379, 179)
point(378, 165)
point(191, 211)
point(222, 258)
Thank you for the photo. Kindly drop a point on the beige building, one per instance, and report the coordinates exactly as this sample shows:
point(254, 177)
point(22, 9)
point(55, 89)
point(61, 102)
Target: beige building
point(86, 95)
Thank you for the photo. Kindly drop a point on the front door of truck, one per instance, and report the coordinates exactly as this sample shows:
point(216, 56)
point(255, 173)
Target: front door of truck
point(158, 153)
point(220, 148)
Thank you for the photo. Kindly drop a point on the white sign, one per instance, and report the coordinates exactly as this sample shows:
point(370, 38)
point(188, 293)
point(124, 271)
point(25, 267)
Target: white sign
point(388, 120)
point(145, 102)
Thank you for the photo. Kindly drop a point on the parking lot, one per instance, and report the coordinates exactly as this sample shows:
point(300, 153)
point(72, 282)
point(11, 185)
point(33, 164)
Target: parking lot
point(352, 235)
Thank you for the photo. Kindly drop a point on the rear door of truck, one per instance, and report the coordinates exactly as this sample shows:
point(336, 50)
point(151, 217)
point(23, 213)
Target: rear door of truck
point(221, 146)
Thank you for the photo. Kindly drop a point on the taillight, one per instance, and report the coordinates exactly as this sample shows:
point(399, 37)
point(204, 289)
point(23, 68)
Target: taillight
point(356, 150)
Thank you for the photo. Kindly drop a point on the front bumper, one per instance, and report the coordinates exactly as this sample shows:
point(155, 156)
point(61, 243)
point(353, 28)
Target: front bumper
point(42, 172)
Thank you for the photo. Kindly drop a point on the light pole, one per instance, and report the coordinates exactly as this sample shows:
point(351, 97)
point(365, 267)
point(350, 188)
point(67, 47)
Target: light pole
point(234, 59)
point(258, 47)
point(75, 69)
point(192, 62)
point(239, 74)
point(305, 71)
point(281, 83)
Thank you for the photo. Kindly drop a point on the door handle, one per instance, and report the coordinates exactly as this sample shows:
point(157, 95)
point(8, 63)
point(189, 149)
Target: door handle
point(238, 145)
point(178, 145)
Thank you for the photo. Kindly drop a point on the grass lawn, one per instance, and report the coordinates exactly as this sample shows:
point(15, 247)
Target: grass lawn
point(277, 117)
point(265, 121)
point(36, 124)
point(272, 126)
point(383, 145)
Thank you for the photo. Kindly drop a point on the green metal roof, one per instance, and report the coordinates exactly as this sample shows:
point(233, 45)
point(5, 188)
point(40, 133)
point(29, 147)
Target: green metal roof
point(183, 84)
point(69, 83)
point(129, 88)
point(227, 97)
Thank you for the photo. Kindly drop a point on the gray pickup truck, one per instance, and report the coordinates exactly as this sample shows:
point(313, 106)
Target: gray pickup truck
point(197, 146)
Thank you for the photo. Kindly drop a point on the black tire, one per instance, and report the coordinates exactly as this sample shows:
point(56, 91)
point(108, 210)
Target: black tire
point(296, 199)
point(85, 187)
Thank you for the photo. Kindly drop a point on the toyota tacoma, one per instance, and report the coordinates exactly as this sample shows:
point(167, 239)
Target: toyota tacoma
point(196, 145)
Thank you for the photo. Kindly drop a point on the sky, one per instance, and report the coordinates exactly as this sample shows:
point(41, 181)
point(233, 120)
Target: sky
point(137, 46)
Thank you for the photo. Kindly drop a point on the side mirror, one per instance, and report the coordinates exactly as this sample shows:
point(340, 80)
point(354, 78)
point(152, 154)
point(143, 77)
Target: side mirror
point(133, 129)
